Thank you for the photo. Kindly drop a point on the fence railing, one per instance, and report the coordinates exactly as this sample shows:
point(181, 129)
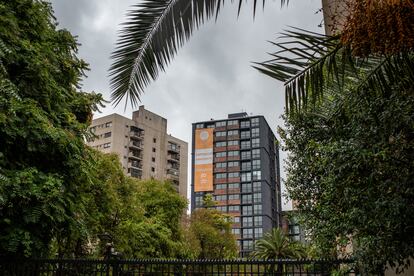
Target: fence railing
point(156, 267)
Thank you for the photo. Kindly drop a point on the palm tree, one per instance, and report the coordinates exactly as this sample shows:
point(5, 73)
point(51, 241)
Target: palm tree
point(306, 62)
point(149, 40)
point(276, 245)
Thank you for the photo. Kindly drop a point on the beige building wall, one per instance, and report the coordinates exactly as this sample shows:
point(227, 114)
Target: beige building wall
point(334, 14)
point(144, 148)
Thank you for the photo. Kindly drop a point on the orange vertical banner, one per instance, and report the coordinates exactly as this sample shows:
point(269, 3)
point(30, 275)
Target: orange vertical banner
point(203, 172)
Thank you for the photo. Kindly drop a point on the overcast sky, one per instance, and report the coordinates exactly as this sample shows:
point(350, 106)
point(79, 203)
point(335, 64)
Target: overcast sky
point(211, 76)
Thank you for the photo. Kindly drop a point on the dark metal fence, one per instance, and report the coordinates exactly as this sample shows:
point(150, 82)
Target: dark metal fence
point(176, 267)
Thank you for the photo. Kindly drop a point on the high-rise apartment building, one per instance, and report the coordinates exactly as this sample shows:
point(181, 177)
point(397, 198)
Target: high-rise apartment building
point(237, 161)
point(143, 146)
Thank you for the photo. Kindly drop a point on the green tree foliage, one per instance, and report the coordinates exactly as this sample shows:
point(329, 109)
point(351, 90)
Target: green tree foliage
point(276, 245)
point(351, 170)
point(43, 120)
point(208, 235)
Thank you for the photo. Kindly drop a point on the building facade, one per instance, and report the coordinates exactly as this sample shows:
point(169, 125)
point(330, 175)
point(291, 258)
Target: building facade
point(143, 146)
point(237, 161)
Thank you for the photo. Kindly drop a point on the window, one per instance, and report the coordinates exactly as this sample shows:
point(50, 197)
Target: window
point(247, 245)
point(245, 155)
point(233, 143)
point(246, 166)
point(92, 129)
point(254, 121)
point(255, 142)
point(257, 187)
point(232, 123)
point(210, 126)
point(235, 231)
point(199, 201)
point(245, 134)
point(233, 174)
point(220, 198)
point(234, 197)
point(258, 221)
point(246, 188)
point(246, 177)
point(233, 164)
point(233, 153)
point(234, 208)
point(236, 219)
point(108, 134)
point(247, 221)
point(246, 199)
point(108, 124)
point(257, 197)
point(221, 124)
point(152, 169)
point(153, 159)
point(256, 164)
point(222, 208)
point(244, 124)
point(154, 149)
point(245, 144)
point(232, 132)
point(199, 125)
point(220, 144)
point(154, 140)
point(220, 134)
point(257, 175)
point(255, 132)
point(257, 209)
point(234, 185)
point(220, 175)
point(106, 145)
point(221, 165)
point(221, 186)
point(256, 153)
point(258, 233)
point(247, 210)
point(247, 233)
point(220, 154)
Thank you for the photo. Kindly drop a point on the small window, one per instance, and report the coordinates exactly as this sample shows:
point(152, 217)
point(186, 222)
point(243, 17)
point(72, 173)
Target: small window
point(221, 124)
point(152, 169)
point(233, 153)
point(255, 132)
point(247, 233)
point(256, 153)
point(221, 186)
point(246, 199)
point(247, 210)
point(220, 134)
point(245, 134)
point(232, 123)
point(257, 209)
point(245, 177)
point(234, 197)
point(106, 145)
point(247, 221)
point(256, 164)
point(246, 188)
point(220, 198)
point(236, 219)
point(246, 166)
point(235, 231)
point(199, 125)
point(255, 142)
point(245, 155)
point(257, 175)
point(245, 145)
point(244, 124)
point(234, 208)
point(220, 175)
point(221, 165)
point(232, 132)
point(154, 149)
point(257, 197)
point(108, 134)
point(258, 233)
point(233, 164)
point(154, 140)
point(233, 174)
point(234, 185)
point(233, 143)
point(108, 124)
point(257, 187)
point(153, 159)
point(258, 221)
point(220, 144)
point(255, 121)
point(221, 154)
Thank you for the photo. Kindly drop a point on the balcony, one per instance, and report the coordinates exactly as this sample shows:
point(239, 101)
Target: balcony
point(135, 155)
point(135, 164)
point(134, 173)
point(137, 135)
point(174, 172)
point(135, 145)
point(175, 158)
point(173, 148)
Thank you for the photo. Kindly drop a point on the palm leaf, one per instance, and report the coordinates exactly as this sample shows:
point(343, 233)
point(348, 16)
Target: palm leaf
point(154, 32)
point(308, 63)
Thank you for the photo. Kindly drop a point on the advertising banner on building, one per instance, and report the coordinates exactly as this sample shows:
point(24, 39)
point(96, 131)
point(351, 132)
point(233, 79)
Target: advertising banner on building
point(203, 170)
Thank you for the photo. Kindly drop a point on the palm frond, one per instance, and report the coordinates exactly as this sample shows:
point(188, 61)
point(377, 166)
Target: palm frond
point(308, 62)
point(154, 32)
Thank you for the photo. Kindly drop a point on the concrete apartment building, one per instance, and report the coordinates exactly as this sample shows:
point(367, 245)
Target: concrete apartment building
point(237, 161)
point(143, 146)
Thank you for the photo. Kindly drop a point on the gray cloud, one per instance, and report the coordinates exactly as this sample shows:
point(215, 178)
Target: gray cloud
point(211, 76)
